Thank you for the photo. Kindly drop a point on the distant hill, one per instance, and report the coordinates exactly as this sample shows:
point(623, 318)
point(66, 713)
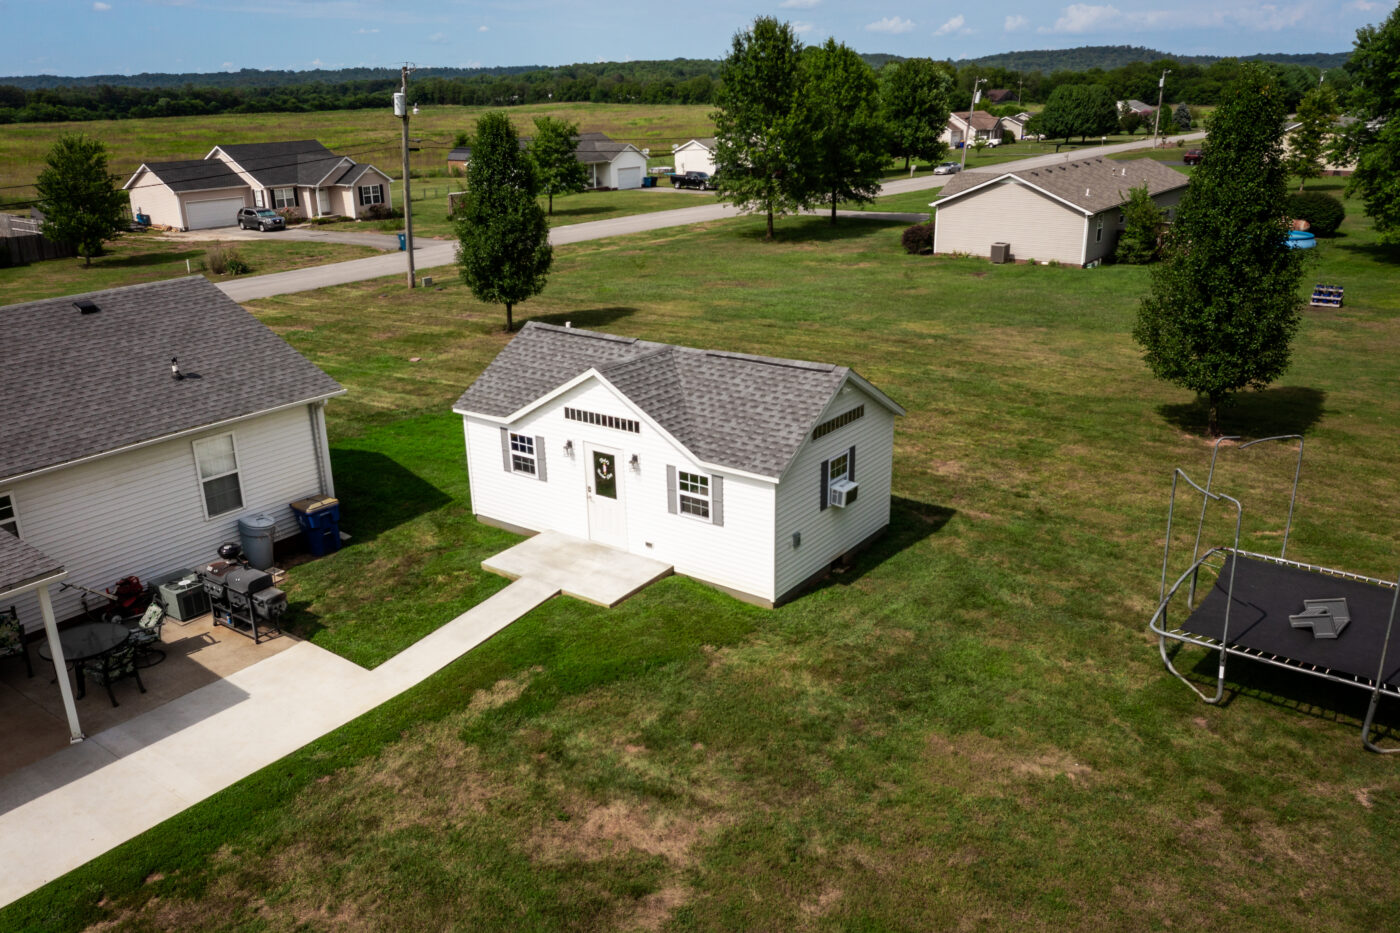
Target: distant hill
point(1108, 57)
point(252, 77)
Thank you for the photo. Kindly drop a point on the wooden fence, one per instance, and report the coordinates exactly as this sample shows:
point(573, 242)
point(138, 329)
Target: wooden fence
point(22, 242)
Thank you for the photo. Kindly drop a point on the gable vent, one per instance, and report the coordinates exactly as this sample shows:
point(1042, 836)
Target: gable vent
point(86, 306)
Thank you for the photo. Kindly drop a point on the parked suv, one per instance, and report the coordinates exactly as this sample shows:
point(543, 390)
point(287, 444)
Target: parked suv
point(261, 217)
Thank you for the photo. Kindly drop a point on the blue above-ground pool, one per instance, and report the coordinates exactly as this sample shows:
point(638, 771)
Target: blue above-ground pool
point(1301, 239)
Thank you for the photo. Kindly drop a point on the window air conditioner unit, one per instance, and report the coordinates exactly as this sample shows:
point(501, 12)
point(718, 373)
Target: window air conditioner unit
point(843, 493)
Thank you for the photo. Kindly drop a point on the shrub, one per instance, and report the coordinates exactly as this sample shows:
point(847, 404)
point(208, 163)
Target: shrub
point(918, 239)
point(1323, 212)
point(326, 219)
point(291, 214)
point(382, 212)
point(1143, 223)
point(221, 260)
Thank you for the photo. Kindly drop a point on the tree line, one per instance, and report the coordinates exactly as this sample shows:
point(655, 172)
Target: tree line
point(679, 81)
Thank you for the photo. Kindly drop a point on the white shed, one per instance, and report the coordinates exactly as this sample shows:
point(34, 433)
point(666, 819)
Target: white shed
point(112, 466)
point(610, 164)
point(697, 155)
point(750, 473)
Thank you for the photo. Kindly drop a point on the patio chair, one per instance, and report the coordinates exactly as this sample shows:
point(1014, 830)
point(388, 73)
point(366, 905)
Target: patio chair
point(145, 634)
point(12, 638)
point(111, 667)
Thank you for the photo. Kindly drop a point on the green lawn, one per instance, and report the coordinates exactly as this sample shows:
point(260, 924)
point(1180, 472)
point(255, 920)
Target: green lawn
point(969, 729)
point(148, 257)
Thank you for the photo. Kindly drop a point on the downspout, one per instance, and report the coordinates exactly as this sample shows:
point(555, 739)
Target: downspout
point(317, 413)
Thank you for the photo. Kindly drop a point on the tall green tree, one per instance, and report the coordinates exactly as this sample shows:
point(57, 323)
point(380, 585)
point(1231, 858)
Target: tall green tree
point(81, 204)
point(559, 170)
point(1129, 120)
point(1077, 110)
point(916, 97)
point(1143, 223)
point(846, 133)
point(1308, 143)
point(1374, 140)
point(761, 141)
point(1224, 303)
point(503, 250)
point(1183, 118)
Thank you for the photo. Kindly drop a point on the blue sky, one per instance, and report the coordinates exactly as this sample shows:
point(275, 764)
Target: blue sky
point(69, 37)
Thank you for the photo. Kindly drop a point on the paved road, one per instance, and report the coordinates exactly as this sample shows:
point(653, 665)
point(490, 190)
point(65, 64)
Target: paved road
point(429, 254)
point(384, 241)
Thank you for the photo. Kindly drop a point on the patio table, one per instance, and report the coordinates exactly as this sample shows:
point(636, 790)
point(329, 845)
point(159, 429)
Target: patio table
point(89, 640)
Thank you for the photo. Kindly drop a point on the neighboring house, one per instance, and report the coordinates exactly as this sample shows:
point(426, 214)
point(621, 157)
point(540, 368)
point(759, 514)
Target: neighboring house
point(197, 194)
point(1016, 125)
point(980, 125)
point(1137, 107)
point(731, 468)
point(1329, 166)
point(610, 164)
point(111, 466)
point(1070, 212)
point(697, 155)
point(999, 95)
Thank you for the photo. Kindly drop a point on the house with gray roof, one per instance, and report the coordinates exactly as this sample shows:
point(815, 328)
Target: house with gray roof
point(695, 155)
point(1070, 212)
point(611, 164)
point(142, 423)
point(751, 473)
point(300, 175)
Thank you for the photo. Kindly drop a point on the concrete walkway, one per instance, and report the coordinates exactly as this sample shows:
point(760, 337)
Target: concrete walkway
point(89, 798)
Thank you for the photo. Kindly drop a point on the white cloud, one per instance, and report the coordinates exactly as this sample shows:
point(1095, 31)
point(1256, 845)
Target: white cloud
point(317, 62)
point(891, 24)
point(956, 24)
point(483, 29)
point(1269, 17)
point(803, 28)
point(1083, 17)
point(438, 38)
point(1365, 6)
point(228, 65)
point(366, 32)
point(101, 7)
point(1016, 22)
point(798, 4)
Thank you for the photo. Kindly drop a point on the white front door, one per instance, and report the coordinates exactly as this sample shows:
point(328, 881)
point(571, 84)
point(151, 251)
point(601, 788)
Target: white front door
point(607, 517)
point(323, 201)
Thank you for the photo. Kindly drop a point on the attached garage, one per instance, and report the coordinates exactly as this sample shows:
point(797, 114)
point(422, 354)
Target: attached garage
point(629, 177)
point(212, 212)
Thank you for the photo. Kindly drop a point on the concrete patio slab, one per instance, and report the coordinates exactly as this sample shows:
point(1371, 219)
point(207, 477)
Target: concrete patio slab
point(586, 570)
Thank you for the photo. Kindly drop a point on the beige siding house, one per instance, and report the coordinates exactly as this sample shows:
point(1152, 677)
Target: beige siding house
point(979, 124)
point(302, 175)
point(112, 466)
point(750, 473)
point(1070, 212)
point(610, 164)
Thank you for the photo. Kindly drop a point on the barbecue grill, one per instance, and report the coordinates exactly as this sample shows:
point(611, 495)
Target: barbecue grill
point(244, 598)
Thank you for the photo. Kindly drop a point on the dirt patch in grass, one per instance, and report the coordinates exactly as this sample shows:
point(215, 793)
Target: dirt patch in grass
point(991, 766)
point(596, 831)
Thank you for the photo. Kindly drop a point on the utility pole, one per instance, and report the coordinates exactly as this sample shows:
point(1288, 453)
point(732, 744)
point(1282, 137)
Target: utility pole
point(401, 110)
point(1157, 117)
point(967, 129)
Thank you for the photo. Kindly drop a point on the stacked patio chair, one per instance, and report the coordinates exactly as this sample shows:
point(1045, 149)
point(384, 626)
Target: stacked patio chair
point(113, 666)
point(12, 637)
point(145, 635)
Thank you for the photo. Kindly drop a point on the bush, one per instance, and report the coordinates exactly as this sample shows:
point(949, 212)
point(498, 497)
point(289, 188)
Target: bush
point(325, 219)
point(382, 212)
point(1323, 212)
point(291, 214)
point(918, 239)
point(221, 260)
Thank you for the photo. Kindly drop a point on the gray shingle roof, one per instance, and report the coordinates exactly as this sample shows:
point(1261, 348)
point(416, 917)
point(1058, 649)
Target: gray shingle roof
point(295, 162)
point(79, 385)
point(750, 413)
point(193, 175)
point(981, 119)
point(1092, 185)
point(598, 147)
point(21, 563)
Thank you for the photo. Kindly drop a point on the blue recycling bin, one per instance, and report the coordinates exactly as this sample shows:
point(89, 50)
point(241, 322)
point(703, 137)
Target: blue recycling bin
point(403, 242)
point(319, 517)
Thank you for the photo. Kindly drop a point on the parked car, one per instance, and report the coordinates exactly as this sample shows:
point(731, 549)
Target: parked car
point(262, 218)
point(1192, 157)
point(698, 180)
point(947, 168)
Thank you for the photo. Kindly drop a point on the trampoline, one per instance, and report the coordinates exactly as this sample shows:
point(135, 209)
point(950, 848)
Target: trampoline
point(1313, 620)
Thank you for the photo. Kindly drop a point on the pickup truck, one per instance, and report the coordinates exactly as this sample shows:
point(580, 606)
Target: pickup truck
point(699, 180)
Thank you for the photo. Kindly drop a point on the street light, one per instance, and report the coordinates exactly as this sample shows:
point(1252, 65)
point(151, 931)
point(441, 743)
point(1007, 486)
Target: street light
point(1157, 117)
point(967, 127)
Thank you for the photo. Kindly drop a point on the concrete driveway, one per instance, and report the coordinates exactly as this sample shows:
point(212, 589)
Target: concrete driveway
point(384, 241)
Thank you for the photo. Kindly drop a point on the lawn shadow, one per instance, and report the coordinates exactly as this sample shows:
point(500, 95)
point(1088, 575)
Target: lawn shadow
point(1378, 252)
point(1263, 413)
point(817, 228)
point(911, 521)
point(144, 259)
point(378, 494)
point(588, 318)
point(582, 211)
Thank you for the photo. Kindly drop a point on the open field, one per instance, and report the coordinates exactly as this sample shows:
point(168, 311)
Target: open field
point(969, 729)
point(147, 257)
point(371, 136)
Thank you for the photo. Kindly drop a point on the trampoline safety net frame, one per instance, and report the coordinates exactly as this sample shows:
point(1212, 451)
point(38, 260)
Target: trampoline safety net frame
point(1166, 594)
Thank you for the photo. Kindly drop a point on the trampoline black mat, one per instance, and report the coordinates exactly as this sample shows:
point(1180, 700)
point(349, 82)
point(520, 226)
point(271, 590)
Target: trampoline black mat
point(1266, 594)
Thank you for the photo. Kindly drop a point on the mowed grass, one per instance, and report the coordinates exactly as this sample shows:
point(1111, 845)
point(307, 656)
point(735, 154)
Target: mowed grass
point(969, 729)
point(367, 136)
point(148, 257)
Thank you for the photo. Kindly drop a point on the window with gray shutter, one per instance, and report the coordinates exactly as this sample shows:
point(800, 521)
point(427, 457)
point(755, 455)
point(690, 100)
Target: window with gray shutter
point(825, 487)
point(539, 459)
point(671, 505)
point(717, 500)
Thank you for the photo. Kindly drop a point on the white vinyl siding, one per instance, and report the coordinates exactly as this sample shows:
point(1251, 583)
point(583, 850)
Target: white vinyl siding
point(625, 171)
point(693, 157)
point(737, 553)
point(142, 512)
point(828, 533)
point(9, 518)
point(1037, 227)
point(151, 197)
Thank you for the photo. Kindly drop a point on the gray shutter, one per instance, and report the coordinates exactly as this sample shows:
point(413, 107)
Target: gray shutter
point(851, 464)
point(826, 467)
point(717, 500)
point(505, 448)
point(671, 505)
point(539, 460)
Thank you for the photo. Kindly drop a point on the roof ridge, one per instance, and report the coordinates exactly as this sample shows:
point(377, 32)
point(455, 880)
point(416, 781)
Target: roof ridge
point(579, 332)
point(100, 291)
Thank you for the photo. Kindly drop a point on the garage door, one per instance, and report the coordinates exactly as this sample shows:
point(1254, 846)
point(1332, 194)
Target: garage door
point(629, 177)
point(220, 212)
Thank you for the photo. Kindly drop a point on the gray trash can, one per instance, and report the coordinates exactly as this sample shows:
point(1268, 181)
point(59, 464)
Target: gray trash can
point(256, 534)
